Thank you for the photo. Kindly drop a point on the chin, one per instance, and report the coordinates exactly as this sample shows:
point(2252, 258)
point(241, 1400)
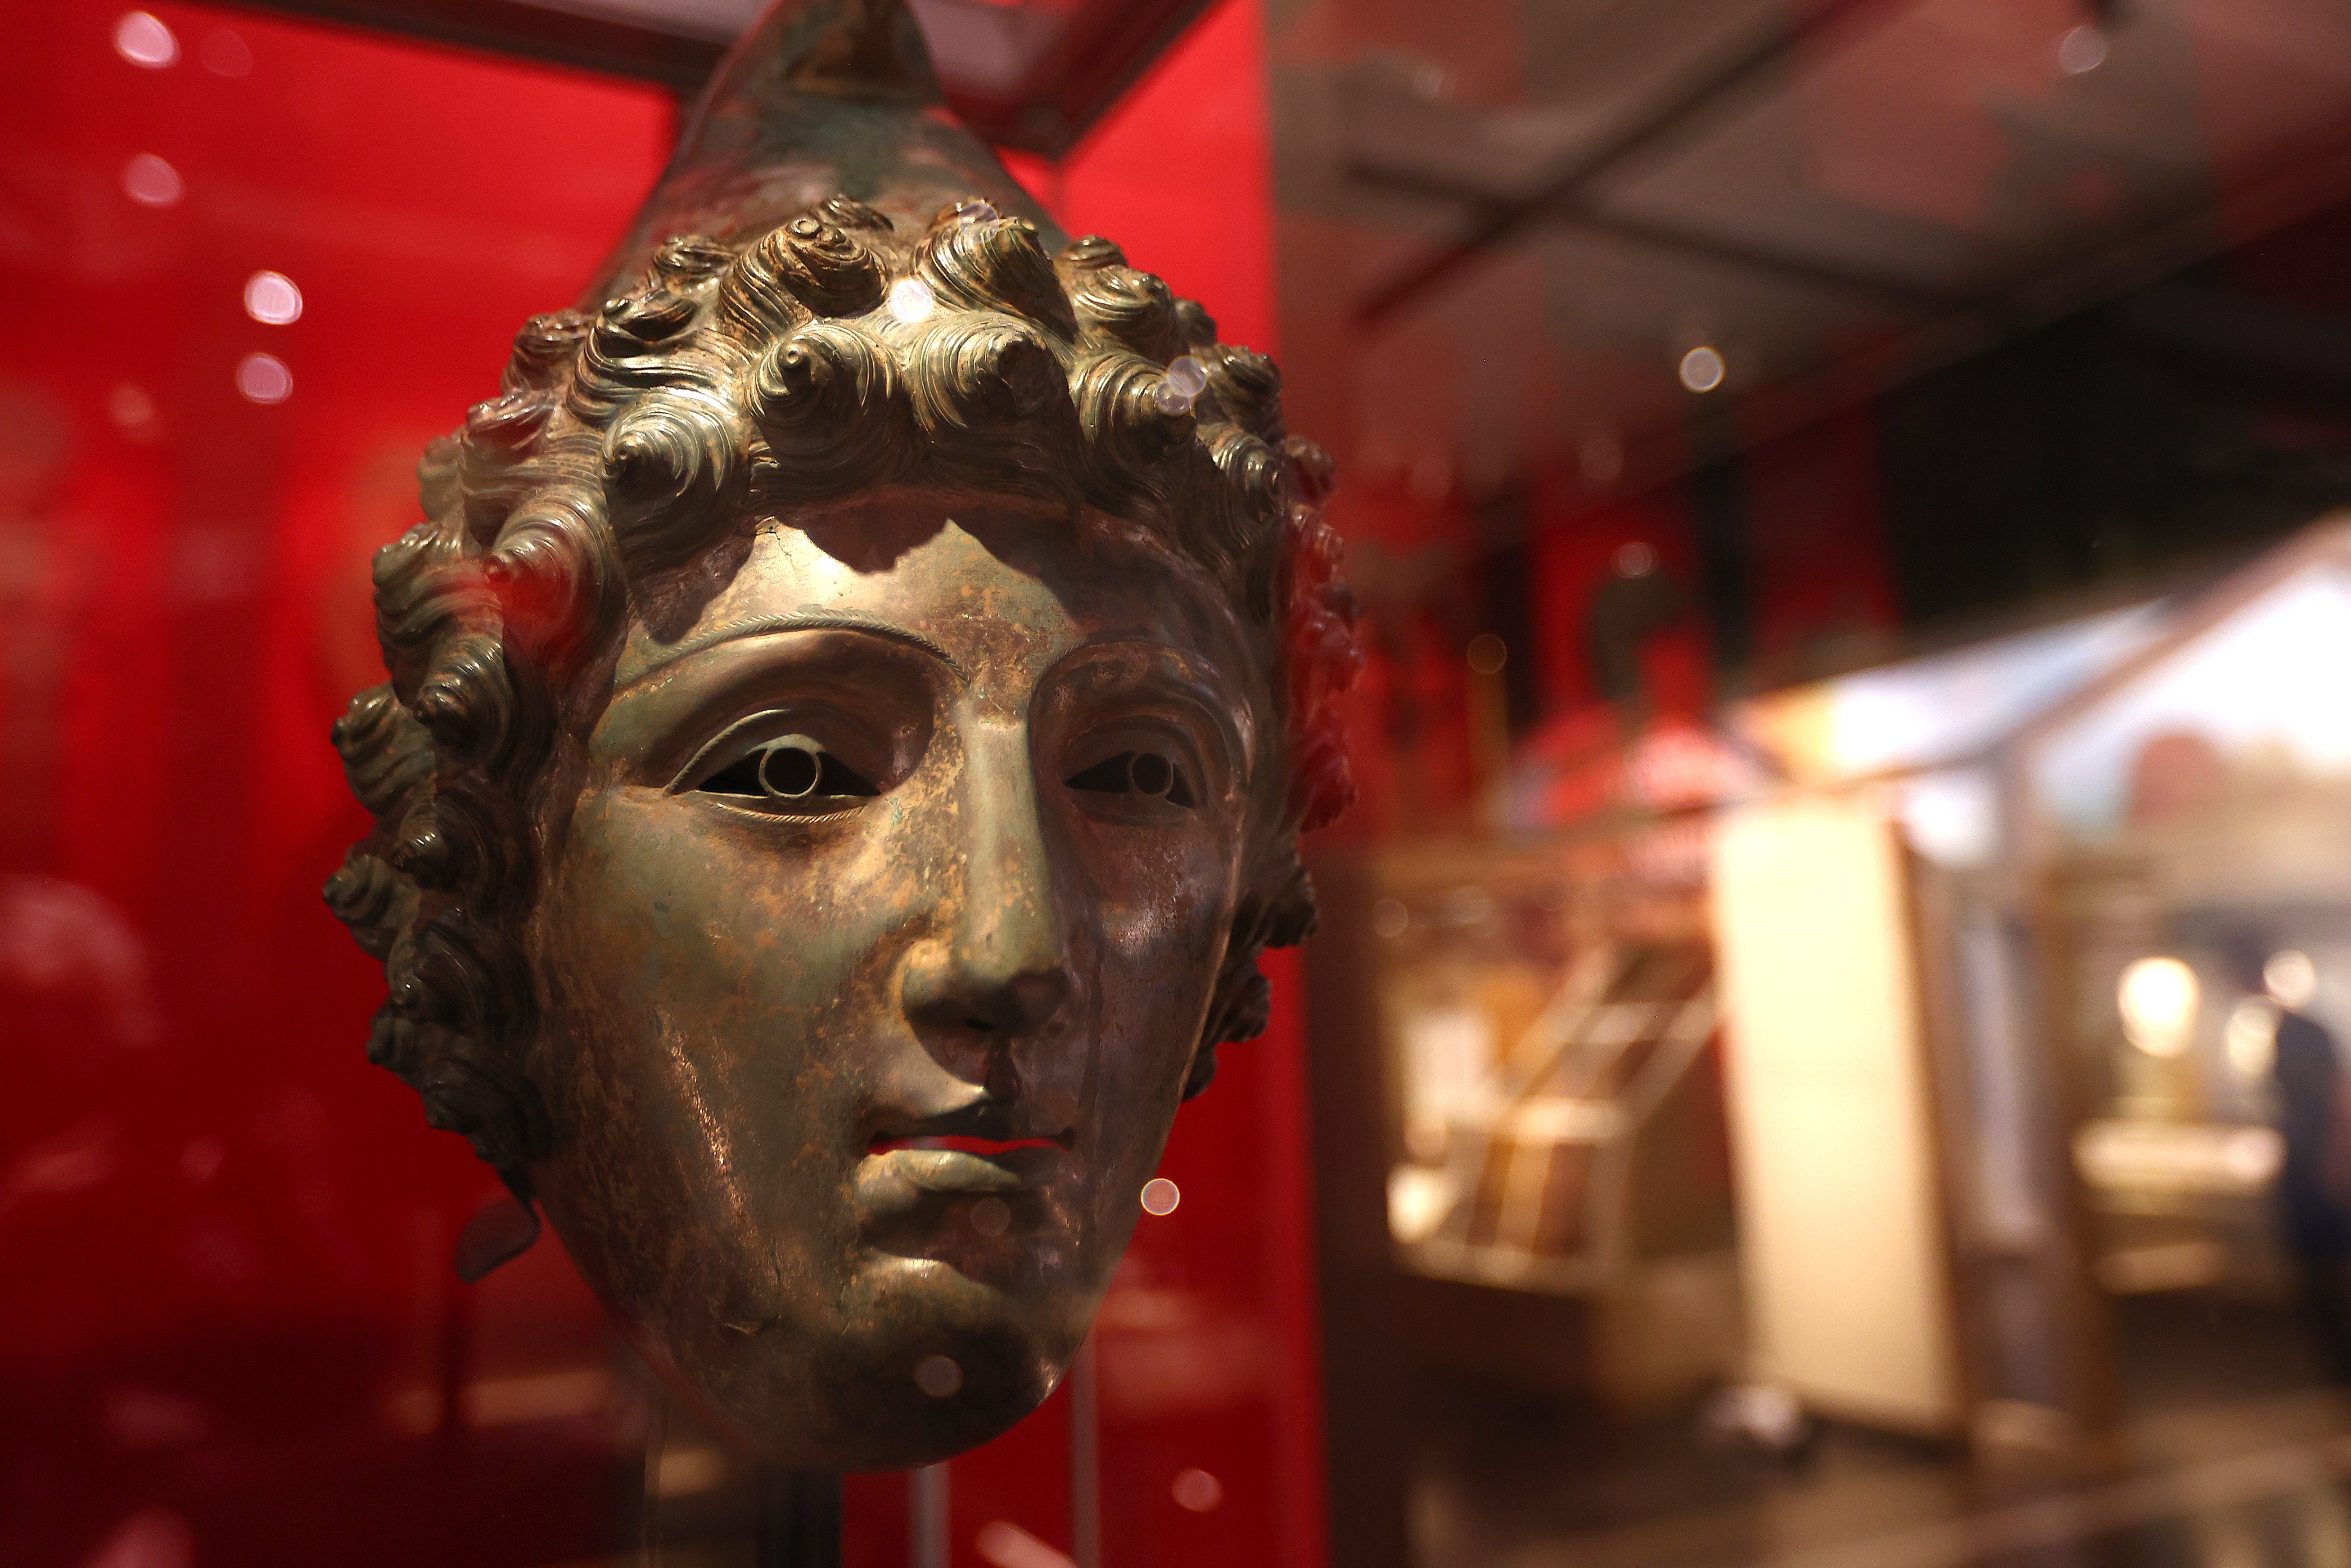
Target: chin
point(919, 1364)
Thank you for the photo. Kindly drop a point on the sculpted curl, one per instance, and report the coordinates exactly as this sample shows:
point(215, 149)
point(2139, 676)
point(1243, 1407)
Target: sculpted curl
point(1140, 450)
point(832, 409)
point(807, 266)
point(993, 404)
point(670, 462)
point(992, 264)
point(728, 383)
point(1119, 303)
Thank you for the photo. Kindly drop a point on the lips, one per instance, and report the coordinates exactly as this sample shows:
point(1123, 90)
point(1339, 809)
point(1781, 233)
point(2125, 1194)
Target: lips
point(985, 1148)
point(988, 1127)
point(964, 1162)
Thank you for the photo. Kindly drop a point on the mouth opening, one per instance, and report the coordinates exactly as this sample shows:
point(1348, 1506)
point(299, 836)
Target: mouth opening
point(985, 1148)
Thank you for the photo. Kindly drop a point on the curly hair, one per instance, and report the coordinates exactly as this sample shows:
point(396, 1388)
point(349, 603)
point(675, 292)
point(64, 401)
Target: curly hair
point(741, 381)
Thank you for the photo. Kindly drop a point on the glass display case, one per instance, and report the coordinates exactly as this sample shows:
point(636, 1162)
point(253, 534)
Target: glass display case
point(2197, 799)
point(2123, 854)
point(1546, 1012)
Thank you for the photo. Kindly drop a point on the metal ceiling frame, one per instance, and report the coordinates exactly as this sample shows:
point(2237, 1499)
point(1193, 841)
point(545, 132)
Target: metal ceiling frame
point(677, 61)
point(1104, 48)
point(2303, 182)
point(1706, 245)
point(1570, 193)
point(2293, 184)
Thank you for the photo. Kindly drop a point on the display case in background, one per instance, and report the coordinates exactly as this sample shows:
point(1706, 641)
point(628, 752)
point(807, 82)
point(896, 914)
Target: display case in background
point(2098, 821)
point(1541, 1011)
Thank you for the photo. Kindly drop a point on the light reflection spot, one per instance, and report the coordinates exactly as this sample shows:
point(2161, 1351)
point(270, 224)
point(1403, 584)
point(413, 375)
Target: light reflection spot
point(224, 54)
point(1198, 1491)
point(145, 41)
point(2082, 49)
point(151, 181)
point(271, 298)
point(911, 299)
point(2250, 1038)
point(2291, 977)
point(131, 408)
point(2158, 999)
point(264, 378)
point(1601, 461)
point(1003, 1544)
point(1702, 369)
point(938, 1376)
point(1160, 1196)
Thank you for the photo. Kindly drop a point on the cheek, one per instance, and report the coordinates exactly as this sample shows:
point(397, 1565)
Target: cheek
point(1160, 918)
point(700, 988)
point(1169, 947)
point(1165, 903)
point(745, 947)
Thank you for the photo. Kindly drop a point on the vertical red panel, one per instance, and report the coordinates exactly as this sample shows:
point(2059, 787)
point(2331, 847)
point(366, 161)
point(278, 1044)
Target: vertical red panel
point(1180, 174)
point(1816, 508)
point(1209, 1351)
point(1207, 1344)
point(1571, 557)
point(229, 1333)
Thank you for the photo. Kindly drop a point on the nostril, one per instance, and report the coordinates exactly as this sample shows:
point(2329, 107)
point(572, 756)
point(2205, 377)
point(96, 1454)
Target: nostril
point(988, 1010)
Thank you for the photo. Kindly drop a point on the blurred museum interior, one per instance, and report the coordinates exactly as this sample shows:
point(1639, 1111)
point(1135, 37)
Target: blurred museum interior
point(1820, 1044)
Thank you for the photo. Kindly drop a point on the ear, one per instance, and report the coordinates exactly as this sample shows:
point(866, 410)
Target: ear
point(503, 1229)
point(1243, 1002)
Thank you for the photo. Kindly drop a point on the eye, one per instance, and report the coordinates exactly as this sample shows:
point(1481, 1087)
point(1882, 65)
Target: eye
point(1144, 774)
point(793, 769)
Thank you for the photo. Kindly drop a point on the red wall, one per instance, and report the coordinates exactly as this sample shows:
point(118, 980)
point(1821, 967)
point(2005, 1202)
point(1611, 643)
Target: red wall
point(1207, 1340)
point(228, 1331)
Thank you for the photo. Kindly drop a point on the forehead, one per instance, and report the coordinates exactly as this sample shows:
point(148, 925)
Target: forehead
point(994, 582)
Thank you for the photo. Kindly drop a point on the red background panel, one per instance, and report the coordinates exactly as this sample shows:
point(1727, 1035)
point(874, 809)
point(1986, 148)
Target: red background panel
point(229, 1333)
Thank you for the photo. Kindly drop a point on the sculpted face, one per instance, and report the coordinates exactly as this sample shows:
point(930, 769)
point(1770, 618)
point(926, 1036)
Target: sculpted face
point(881, 919)
point(852, 699)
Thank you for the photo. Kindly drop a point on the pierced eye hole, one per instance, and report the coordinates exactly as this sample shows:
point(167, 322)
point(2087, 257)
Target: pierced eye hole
point(790, 772)
point(794, 768)
point(1144, 773)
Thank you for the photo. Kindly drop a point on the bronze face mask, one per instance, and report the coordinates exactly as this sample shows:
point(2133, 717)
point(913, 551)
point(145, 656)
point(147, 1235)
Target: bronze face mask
point(853, 705)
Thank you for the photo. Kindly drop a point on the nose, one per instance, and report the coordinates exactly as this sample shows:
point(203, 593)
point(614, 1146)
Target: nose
point(1000, 968)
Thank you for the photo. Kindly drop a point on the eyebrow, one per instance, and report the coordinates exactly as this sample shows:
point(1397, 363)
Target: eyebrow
point(765, 625)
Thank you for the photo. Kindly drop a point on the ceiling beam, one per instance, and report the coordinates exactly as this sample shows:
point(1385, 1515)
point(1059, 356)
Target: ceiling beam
point(1570, 187)
point(2295, 184)
point(673, 60)
point(1705, 244)
point(1102, 47)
